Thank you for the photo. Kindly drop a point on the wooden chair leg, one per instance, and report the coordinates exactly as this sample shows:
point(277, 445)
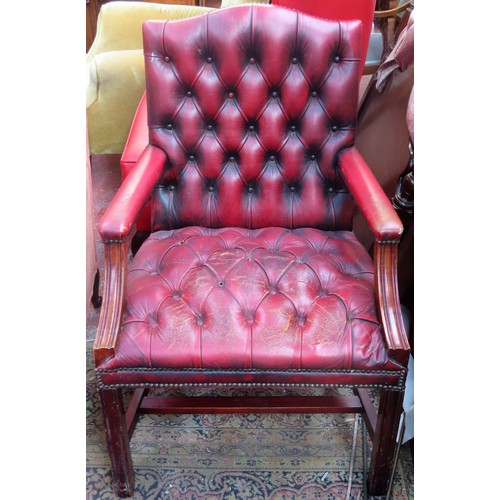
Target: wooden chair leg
point(118, 441)
point(384, 442)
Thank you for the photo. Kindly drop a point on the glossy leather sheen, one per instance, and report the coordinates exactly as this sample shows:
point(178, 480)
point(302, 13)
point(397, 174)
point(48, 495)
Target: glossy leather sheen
point(378, 211)
point(240, 299)
point(339, 10)
point(252, 133)
point(118, 221)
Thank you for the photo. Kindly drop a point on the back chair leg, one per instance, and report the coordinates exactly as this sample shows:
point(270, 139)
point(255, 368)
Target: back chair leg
point(118, 441)
point(384, 442)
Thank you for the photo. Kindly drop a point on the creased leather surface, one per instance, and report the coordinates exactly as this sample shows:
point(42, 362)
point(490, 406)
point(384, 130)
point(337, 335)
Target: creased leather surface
point(253, 118)
point(235, 298)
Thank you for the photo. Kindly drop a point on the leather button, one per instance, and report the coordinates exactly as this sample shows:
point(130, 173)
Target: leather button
point(250, 189)
point(189, 93)
point(252, 60)
point(171, 188)
point(334, 128)
point(314, 93)
point(293, 189)
point(330, 189)
point(232, 158)
point(295, 60)
point(191, 158)
point(199, 320)
point(272, 158)
point(293, 128)
point(209, 60)
point(176, 296)
point(274, 93)
point(210, 127)
point(169, 126)
point(210, 189)
point(230, 95)
point(167, 59)
point(251, 128)
point(337, 59)
point(312, 157)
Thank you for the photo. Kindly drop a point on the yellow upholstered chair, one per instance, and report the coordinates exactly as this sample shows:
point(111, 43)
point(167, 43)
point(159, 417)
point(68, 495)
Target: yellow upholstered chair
point(116, 67)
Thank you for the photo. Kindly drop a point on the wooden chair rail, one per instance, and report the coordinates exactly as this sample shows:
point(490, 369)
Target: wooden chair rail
point(142, 403)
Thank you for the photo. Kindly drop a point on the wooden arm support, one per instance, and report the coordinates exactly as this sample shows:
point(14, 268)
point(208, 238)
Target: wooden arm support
point(115, 272)
point(116, 228)
point(388, 305)
point(387, 229)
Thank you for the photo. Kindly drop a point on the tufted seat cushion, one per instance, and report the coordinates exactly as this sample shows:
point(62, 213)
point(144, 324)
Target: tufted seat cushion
point(236, 298)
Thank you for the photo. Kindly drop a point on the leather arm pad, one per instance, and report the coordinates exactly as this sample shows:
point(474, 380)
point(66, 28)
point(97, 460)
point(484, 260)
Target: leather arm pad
point(378, 211)
point(133, 194)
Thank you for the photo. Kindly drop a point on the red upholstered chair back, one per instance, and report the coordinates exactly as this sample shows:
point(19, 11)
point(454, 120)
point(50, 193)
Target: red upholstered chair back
point(339, 10)
point(252, 104)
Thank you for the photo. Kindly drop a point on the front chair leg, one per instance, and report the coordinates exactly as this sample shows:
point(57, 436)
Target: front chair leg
point(118, 441)
point(384, 442)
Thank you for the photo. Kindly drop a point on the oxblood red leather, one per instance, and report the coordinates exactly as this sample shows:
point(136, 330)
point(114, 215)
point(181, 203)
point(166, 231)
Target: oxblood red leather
point(378, 211)
point(252, 134)
point(132, 195)
point(338, 10)
point(242, 299)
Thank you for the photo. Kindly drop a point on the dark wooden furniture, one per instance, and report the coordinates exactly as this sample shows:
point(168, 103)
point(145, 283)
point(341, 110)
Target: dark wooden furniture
point(252, 277)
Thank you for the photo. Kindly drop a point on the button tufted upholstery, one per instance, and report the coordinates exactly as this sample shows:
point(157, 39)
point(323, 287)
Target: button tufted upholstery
point(252, 134)
point(251, 277)
point(243, 299)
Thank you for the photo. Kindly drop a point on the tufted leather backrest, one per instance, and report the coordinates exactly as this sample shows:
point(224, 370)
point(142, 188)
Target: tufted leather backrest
point(252, 105)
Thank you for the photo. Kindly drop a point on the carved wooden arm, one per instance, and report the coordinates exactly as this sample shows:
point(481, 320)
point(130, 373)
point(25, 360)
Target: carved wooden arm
point(387, 229)
point(115, 228)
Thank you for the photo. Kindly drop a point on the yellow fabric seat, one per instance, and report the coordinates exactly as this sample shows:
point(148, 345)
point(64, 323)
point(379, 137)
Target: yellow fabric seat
point(115, 64)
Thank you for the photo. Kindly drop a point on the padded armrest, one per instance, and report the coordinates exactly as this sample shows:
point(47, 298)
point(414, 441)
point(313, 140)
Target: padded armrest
point(133, 194)
point(378, 211)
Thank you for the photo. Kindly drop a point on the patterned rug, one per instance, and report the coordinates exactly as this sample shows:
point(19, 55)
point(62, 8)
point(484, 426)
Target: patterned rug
point(233, 457)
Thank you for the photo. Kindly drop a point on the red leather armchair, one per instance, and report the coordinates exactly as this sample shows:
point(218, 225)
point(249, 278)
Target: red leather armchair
point(251, 276)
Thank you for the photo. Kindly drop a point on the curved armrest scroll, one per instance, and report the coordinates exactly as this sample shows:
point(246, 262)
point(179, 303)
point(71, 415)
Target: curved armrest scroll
point(388, 305)
point(133, 194)
point(374, 204)
point(115, 271)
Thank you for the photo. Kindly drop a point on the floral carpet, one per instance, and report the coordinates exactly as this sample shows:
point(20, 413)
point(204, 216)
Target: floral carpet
point(233, 457)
